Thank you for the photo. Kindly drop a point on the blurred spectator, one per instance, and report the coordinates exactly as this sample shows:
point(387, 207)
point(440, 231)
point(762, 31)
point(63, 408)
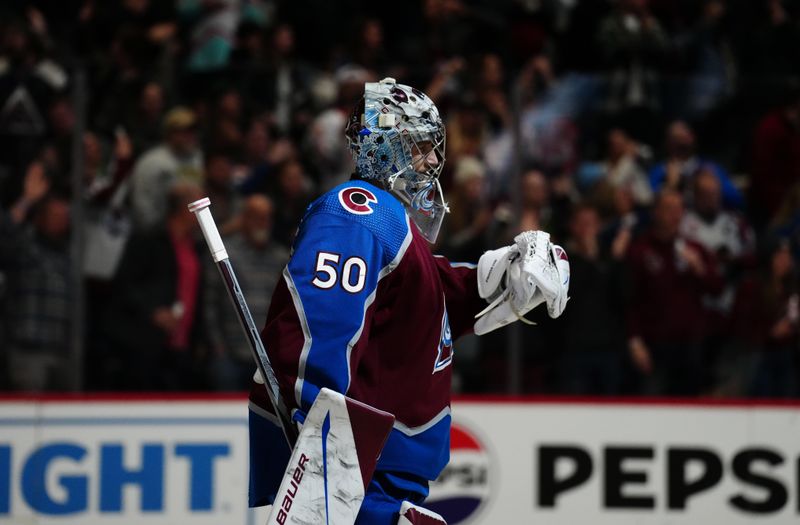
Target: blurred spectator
point(178, 158)
point(633, 46)
point(213, 27)
point(155, 21)
point(262, 156)
point(454, 27)
point(14, 234)
point(728, 236)
point(543, 206)
point(367, 46)
point(29, 84)
point(548, 131)
point(467, 129)
point(786, 223)
point(107, 221)
point(593, 328)
point(224, 128)
point(57, 151)
point(325, 142)
point(711, 62)
point(38, 317)
point(491, 91)
point(682, 164)
point(724, 233)
point(619, 213)
point(292, 195)
point(259, 262)
point(622, 167)
point(465, 230)
point(249, 49)
point(535, 211)
point(666, 318)
point(776, 159)
point(151, 321)
point(285, 91)
point(766, 318)
point(774, 47)
point(219, 188)
point(120, 76)
point(144, 125)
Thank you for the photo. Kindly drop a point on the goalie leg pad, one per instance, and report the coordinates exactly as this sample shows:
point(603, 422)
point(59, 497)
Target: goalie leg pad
point(332, 462)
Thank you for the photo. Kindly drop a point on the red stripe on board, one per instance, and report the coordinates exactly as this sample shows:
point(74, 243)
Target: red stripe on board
point(628, 401)
point(134, 397)
point(126, 397)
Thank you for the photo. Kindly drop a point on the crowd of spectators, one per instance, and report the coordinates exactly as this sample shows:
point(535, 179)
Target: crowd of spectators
point(657, 140)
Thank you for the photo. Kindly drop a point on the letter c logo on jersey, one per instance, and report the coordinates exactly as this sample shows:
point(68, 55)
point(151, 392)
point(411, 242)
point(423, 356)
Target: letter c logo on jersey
point(357, 200)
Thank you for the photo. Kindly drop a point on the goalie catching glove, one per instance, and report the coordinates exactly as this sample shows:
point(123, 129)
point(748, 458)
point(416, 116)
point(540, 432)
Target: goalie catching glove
point(516, 279)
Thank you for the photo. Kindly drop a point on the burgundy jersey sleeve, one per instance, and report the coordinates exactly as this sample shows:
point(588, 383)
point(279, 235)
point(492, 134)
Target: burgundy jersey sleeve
point(460, 282)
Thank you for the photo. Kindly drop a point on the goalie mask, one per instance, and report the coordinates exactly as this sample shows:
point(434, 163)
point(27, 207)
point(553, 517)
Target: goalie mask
point(397, 138)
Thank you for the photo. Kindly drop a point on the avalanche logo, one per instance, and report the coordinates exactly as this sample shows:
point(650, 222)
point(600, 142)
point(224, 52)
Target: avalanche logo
point(464, 486)
point(444, 354)
point(357, 200)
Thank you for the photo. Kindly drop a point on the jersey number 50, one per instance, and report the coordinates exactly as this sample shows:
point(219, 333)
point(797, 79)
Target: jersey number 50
point(353, 274)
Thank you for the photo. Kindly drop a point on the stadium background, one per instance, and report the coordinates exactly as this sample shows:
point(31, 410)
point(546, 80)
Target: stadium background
point(659, 141)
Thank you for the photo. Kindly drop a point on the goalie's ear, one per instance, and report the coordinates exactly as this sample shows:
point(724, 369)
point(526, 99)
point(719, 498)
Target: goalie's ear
point(492, 267)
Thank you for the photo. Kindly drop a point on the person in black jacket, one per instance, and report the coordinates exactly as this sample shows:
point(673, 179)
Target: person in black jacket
point(150, 323)
point(593, 327)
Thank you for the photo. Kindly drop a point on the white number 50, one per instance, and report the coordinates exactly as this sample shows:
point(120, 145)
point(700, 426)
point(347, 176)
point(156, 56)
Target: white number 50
point(354, 272)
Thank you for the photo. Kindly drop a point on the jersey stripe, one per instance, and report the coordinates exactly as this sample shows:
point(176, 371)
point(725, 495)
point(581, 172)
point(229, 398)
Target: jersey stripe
point(413, 431)
point(469, 266)
point(301, 315)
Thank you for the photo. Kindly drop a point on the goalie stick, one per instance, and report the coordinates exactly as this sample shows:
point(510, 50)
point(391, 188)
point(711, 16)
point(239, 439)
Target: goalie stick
point(338, 448)
point(201, 210)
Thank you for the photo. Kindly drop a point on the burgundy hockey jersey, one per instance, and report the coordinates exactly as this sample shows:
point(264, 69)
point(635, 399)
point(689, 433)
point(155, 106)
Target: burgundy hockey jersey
point(365, 309)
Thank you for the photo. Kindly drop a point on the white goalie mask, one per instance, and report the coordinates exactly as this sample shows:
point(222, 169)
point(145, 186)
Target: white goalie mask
point(397, 138)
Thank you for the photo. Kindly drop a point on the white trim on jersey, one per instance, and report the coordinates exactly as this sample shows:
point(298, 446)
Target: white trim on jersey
point(413, 431)
point(301, 314)
point(469, 266)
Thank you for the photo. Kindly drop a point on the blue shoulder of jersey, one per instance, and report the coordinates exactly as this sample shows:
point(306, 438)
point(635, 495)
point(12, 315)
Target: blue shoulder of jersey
point(350, 238)
point(373, 208)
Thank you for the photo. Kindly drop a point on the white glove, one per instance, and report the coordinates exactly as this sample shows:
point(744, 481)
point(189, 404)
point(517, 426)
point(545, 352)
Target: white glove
point(517, 278)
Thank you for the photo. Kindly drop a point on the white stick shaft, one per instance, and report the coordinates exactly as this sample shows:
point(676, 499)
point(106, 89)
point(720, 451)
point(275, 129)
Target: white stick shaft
point(201, 210)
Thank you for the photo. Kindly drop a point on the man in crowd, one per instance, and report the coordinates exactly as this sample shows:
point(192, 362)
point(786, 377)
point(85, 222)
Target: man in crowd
point(259, 262)
point(666, 318)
